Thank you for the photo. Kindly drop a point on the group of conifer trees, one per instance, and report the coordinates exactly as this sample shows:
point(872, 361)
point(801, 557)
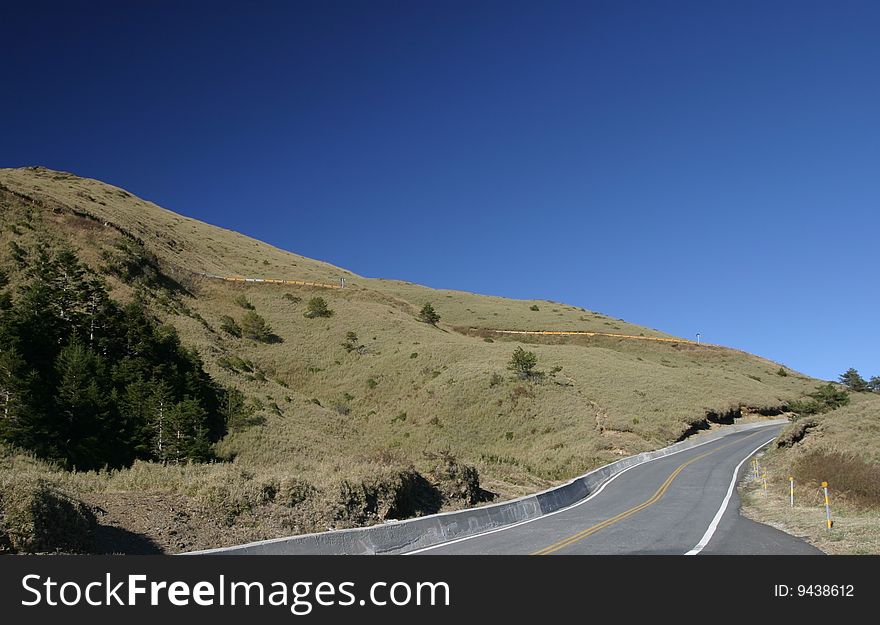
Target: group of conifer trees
point(91, 383)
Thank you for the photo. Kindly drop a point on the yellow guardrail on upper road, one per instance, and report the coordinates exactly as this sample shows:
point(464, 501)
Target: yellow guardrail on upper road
point(660, 339)
point(341, 285)
point(322, 285)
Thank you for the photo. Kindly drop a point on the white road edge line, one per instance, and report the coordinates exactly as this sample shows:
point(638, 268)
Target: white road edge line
point(574, 505)
point(714, 524)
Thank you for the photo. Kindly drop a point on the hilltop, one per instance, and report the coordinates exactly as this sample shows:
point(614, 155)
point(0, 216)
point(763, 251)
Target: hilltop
point(369, 413)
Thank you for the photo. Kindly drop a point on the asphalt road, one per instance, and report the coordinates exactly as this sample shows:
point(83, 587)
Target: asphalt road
point(665, 506)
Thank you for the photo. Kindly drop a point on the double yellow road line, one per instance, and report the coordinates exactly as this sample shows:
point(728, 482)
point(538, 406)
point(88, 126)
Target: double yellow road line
point(658, 494)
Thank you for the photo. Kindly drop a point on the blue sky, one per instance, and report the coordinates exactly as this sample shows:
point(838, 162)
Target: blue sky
point(703, 166)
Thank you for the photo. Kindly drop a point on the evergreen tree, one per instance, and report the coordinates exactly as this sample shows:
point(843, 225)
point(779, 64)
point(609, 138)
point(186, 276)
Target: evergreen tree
point(200, 447)
point(317, 307)
point(522, 362)
point(61, 399)
point(10, 386)
point(829, 397)
point(84, 435)
point(18, 254)
point(35, 330)
point(826, 397)
point(187, 436)
point(16, 385)
point(254, 327)
point(853, 381)
point(429, 315)
point(874, 384)
point(352, 342)
point(242, 301)
point(137, 408)
point(230, 326)
point(237, 413)
point(75, 298)
point(159, 419)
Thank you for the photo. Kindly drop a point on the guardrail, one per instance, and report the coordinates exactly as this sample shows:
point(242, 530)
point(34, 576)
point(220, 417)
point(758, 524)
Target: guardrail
point(322, 285)
point(341, 285)
point(412, 534)
point(660, 339)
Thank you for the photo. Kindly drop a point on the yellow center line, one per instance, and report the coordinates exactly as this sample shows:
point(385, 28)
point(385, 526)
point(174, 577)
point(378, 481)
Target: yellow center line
point(565, 542)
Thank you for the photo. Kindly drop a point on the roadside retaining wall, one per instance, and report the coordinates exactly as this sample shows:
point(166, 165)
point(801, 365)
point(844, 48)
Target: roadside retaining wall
point(401, 536)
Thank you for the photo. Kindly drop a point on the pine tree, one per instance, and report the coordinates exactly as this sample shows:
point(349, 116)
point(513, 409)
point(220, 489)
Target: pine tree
point(317, 307)
point(853, 381)
point(352, 342)
point(187, 436)
point(236, 413)
point(16, 383)
point(254, 327)
point(137, 420)
point(522, 362)
point(75, 297)
point(200, 448)
point(66, 277)
point(230, 326)
point(36, 331)
point(84, 433)
point(429, 315)
point(826, 397)
point(10, 385)
point(18, 254)
point(161, 404)
point(61, 400)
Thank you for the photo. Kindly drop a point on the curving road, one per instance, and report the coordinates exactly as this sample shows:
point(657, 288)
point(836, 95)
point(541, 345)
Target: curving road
point(683, 503)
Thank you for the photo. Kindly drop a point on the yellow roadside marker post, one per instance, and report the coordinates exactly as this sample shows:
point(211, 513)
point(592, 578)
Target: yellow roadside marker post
point(791, 490)
point(828, 521)
point(764, 478)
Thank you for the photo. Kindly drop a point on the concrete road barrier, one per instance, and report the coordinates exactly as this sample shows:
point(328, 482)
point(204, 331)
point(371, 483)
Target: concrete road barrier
point(402, 536)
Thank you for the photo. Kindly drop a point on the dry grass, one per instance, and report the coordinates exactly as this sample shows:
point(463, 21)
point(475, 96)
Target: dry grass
point(44, 508)
point(843, 449)
point(37, 515)
point(851, 430)
point(856, 478)
point(855, 531)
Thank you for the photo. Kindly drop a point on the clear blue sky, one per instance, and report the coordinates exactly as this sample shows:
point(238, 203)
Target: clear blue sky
point(700, 166)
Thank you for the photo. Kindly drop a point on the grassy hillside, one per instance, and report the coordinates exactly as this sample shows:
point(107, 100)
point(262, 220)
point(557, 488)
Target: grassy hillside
point(406, 408)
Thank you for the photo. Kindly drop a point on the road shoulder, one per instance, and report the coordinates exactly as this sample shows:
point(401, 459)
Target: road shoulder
point(854, 532)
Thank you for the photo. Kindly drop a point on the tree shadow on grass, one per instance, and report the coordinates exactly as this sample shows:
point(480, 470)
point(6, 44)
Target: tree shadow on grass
point(486, 496)
point(114, 540)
